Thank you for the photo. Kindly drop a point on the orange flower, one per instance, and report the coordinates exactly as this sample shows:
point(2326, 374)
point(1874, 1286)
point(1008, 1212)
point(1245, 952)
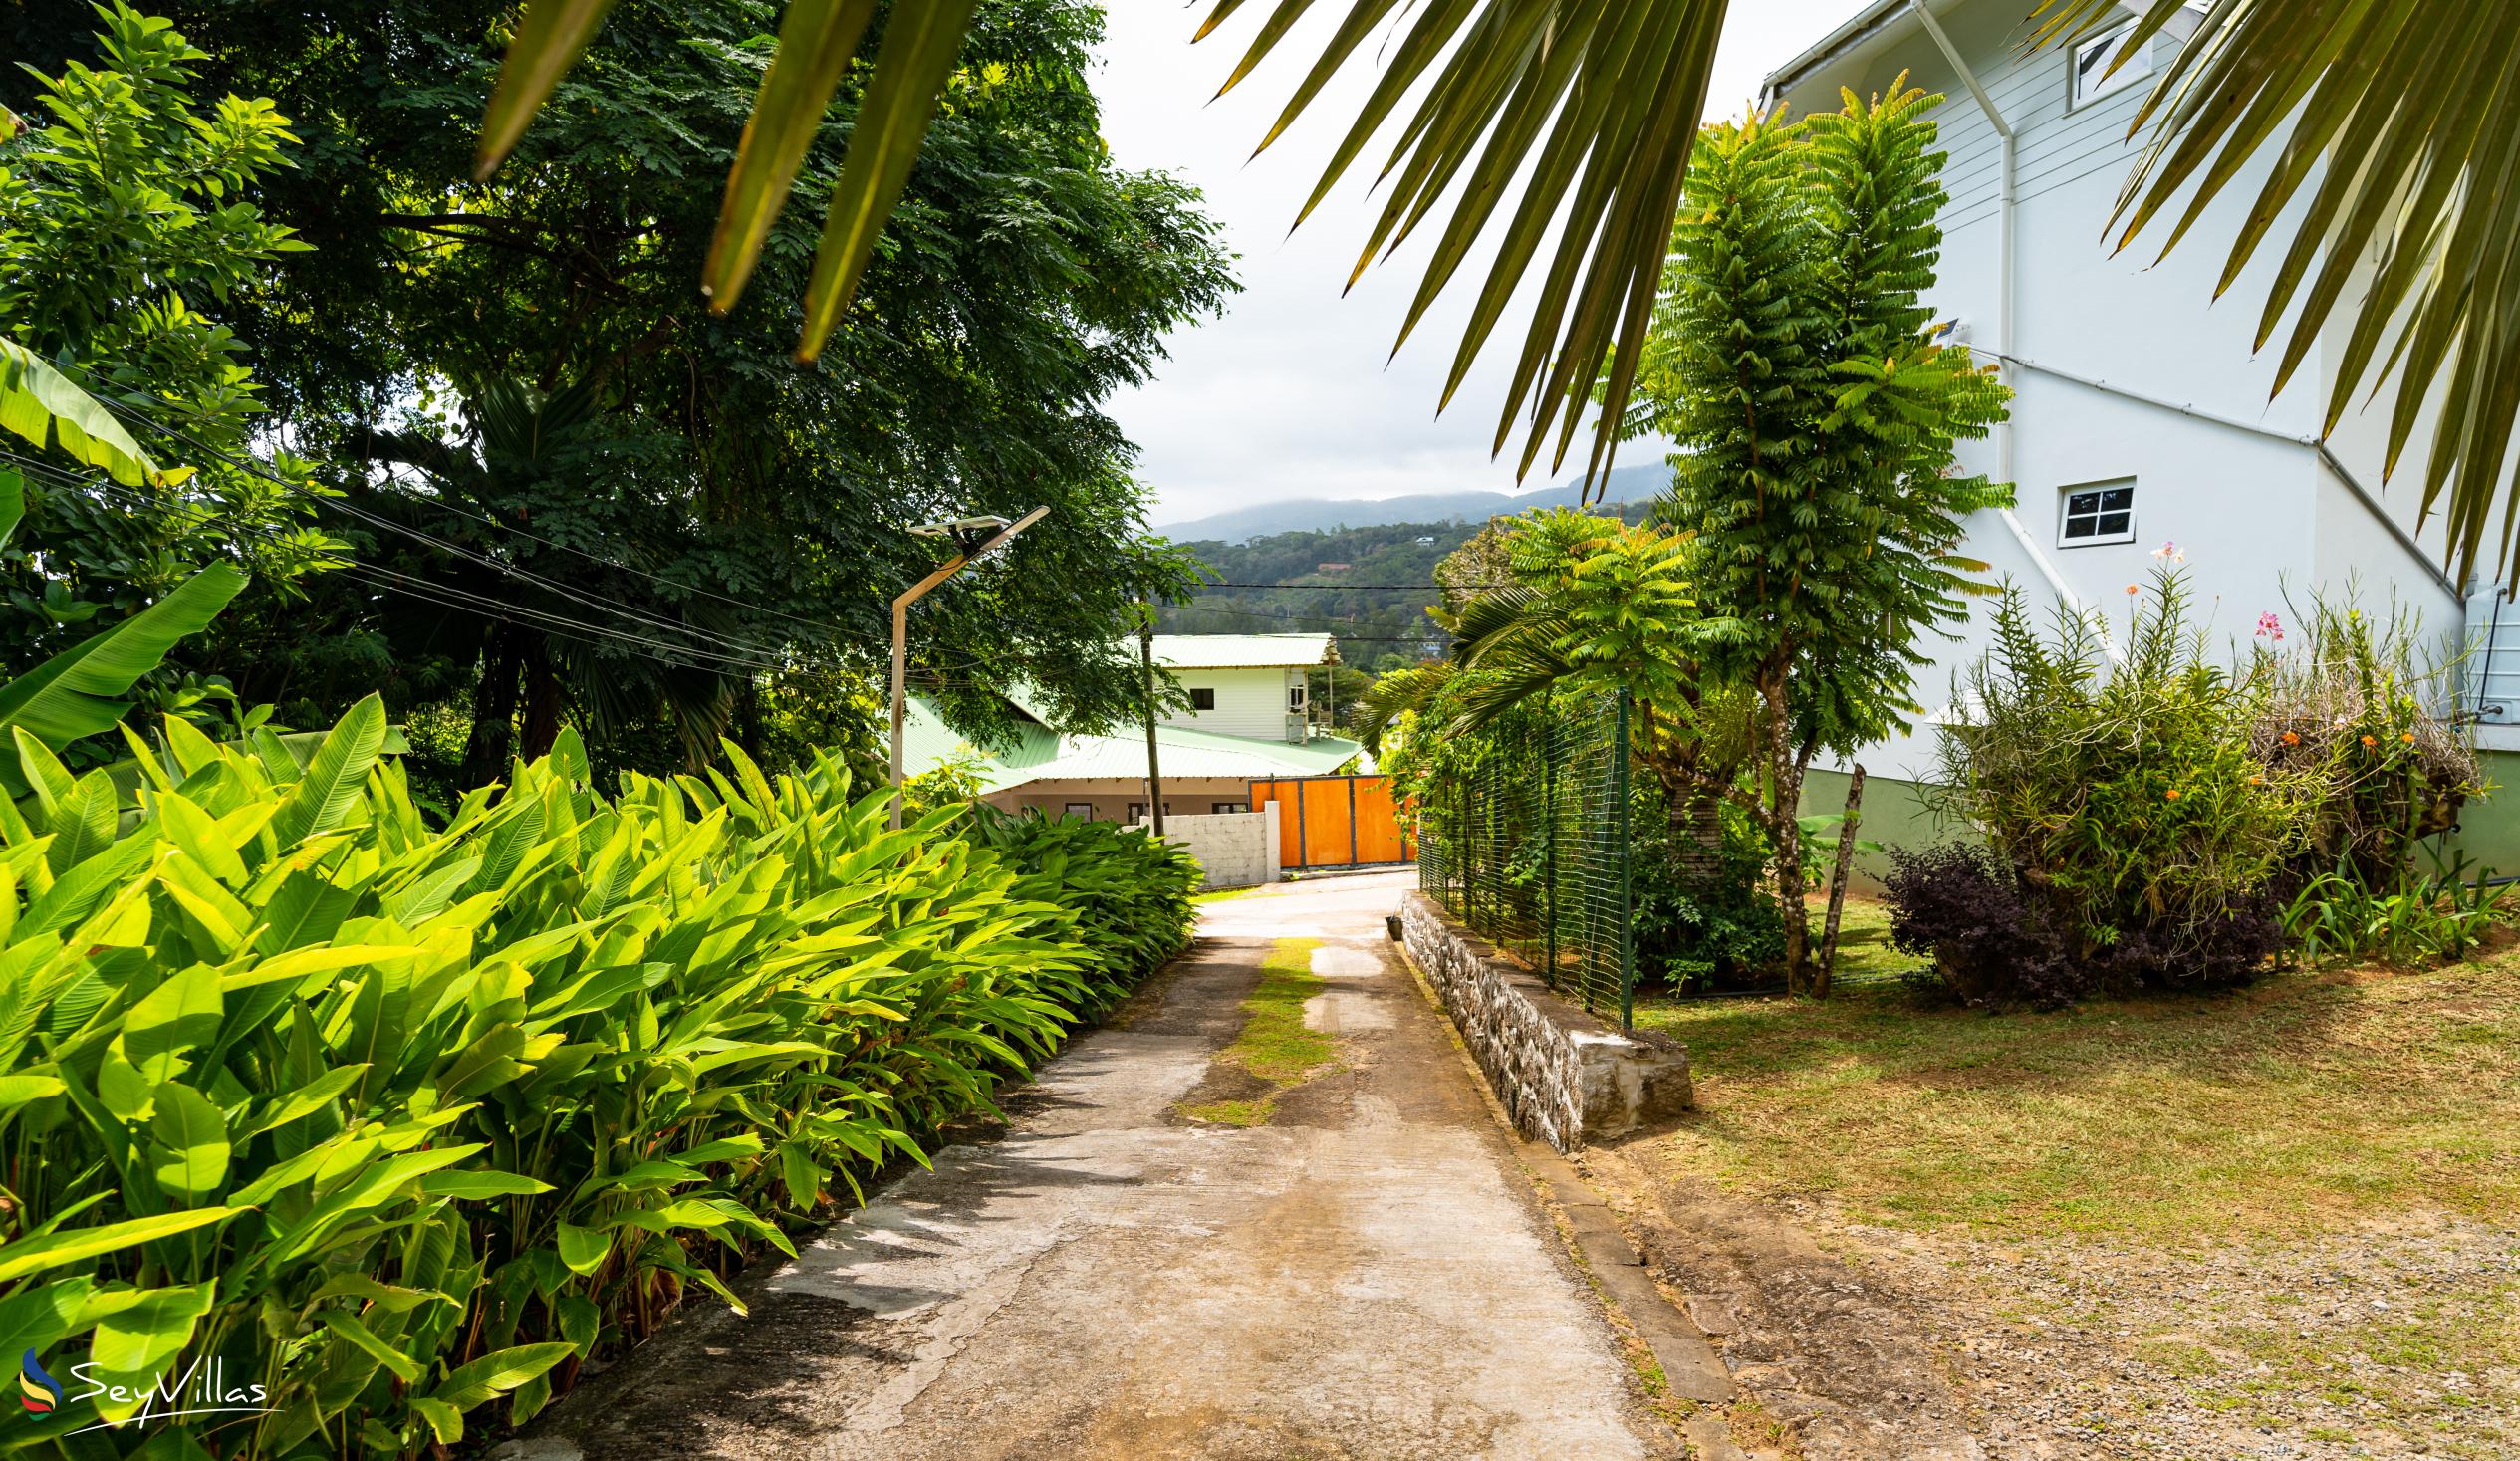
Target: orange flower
point(2292, 738)
point(2171, 796)
point(2407, 736)
point(2369, 741)
point(2257, 781)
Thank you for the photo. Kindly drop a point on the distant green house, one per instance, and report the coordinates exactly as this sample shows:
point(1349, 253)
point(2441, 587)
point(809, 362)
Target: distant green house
point(1246, 721)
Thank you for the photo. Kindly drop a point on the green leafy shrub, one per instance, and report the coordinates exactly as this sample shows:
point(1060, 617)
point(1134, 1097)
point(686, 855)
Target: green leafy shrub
point(2126, 795)
point(1700, 921)
point(396, 1118)
point(1126, 895)
point(2171, 821)
point(2436, 916)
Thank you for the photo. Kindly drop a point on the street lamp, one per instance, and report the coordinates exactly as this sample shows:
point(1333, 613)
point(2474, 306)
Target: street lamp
point(971, 537)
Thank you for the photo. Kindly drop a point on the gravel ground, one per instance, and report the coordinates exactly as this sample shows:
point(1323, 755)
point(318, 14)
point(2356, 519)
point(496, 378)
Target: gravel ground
point(2345, 1345)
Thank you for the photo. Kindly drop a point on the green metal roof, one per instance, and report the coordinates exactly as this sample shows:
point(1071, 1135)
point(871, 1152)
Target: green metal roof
point(1043, 755)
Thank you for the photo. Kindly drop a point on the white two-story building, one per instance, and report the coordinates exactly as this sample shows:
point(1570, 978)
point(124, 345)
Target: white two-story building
point(1244, 721)
point(2141, 414)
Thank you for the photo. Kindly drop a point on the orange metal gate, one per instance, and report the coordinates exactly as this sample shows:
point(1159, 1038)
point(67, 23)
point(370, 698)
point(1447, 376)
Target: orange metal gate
point(1335, 821)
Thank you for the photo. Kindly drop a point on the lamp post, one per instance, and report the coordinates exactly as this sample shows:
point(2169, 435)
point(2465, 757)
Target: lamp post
point(1146, 659)
point(967, 535)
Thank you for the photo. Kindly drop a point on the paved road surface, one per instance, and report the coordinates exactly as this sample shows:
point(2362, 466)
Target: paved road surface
point(1366, 1276)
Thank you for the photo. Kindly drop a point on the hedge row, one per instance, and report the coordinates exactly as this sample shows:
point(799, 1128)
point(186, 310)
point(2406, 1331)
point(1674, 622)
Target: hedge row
point(393, 1120)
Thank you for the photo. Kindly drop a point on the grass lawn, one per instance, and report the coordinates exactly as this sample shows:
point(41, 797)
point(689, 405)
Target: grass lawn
point(2310, 1097)
point(2289, 1209)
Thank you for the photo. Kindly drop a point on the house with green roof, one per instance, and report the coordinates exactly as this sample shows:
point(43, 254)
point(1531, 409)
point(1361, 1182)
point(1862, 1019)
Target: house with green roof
point(1246, 720)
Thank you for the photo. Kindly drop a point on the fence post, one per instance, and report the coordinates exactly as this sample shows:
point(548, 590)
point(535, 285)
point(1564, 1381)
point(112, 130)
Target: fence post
point(1548, 834)
point(1626, 891)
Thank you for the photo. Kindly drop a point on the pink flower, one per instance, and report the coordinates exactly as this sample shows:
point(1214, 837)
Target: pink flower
point(2171, 551)
point(2270, 627)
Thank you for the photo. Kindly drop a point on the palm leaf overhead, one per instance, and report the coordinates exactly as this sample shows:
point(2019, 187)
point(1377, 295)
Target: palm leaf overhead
point(2404, 135)
point(1564, 118)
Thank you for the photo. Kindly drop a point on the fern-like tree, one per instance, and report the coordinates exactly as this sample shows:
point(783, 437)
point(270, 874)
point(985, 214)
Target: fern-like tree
point(1816, 419)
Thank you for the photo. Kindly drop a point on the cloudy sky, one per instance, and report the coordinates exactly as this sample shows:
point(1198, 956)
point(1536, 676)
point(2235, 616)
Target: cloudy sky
point(1288, 394)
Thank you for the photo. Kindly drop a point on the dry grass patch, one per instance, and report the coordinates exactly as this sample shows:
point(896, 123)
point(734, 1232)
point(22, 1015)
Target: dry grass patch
point(2309, 1098)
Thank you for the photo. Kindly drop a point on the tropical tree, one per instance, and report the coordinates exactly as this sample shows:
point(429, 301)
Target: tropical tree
point(1816, 419)
point(1563, 601)
point(126, 223)
point(729, 528)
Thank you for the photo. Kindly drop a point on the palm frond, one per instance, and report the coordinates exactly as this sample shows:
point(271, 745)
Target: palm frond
point(2404, 135)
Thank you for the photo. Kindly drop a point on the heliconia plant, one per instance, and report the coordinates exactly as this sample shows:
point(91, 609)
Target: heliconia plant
point(379, 1121)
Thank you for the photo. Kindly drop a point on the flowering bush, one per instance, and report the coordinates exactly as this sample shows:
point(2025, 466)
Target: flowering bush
point(2155, 808)
point(2126, 798)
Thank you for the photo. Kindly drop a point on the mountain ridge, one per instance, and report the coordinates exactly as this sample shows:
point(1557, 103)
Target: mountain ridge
point(1319, 514)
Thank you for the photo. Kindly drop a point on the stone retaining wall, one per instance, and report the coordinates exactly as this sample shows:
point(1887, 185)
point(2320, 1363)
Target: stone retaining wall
point(1563, 1075)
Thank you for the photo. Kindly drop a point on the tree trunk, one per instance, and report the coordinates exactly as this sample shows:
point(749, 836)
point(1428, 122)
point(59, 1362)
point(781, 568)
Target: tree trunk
point(542, 704)
point(1785, 793)
point(1697, 830)
point(493, 736)
point(1838, 883)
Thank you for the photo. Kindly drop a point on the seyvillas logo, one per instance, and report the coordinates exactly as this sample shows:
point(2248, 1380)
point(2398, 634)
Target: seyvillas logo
point(39, 1392)
point(202, 1387)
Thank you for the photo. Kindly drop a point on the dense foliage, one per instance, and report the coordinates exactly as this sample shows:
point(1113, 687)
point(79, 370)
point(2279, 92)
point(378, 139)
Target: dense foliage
point(573, 495)
point(2150, 810)
point(396, 1118)
point(1816, 418)
point(128, 228)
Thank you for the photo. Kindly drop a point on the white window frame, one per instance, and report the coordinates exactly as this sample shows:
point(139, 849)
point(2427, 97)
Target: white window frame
point(2065, 516)
point(1295, 697)
point(2096, 51)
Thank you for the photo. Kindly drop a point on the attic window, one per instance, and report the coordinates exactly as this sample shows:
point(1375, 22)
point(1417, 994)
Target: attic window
point(1203, 698)
point(2100, 513)
point(2092, 79)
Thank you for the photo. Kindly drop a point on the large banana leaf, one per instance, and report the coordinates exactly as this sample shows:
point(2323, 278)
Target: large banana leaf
point(78, 692)
point(1576, 114)
point(2404, 134)
point(39, 403)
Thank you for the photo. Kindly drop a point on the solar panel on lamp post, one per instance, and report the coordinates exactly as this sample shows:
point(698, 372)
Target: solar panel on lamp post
point(972, 539)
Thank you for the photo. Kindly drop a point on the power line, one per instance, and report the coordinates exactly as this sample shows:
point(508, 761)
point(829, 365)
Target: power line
point(447, 595)
point(126, 410)
point(597, 601)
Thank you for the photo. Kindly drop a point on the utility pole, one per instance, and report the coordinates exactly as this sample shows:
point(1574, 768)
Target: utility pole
point(918, 590)
point(1147, 661)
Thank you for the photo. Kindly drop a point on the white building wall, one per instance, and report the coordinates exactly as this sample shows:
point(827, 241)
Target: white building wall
point(2222, 470)
point(1249, 702)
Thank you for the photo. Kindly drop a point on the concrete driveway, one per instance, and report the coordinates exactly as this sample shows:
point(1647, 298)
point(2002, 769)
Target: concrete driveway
point(1365, 1274)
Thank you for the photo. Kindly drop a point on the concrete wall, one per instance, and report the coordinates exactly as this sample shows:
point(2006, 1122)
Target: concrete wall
point(1249, 702)
point(1233, 850)
point(2489, 829)
point(1562, 1074)
point(1894, 815)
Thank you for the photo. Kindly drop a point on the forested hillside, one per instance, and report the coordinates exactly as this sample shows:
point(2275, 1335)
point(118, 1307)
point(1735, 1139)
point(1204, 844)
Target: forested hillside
point(1376, 604)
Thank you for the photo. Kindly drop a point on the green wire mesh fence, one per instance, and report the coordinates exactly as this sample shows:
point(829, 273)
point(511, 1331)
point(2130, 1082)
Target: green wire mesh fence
point(1530, 849)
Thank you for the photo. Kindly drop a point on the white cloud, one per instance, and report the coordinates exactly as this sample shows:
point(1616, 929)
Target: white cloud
point(1287, 395)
